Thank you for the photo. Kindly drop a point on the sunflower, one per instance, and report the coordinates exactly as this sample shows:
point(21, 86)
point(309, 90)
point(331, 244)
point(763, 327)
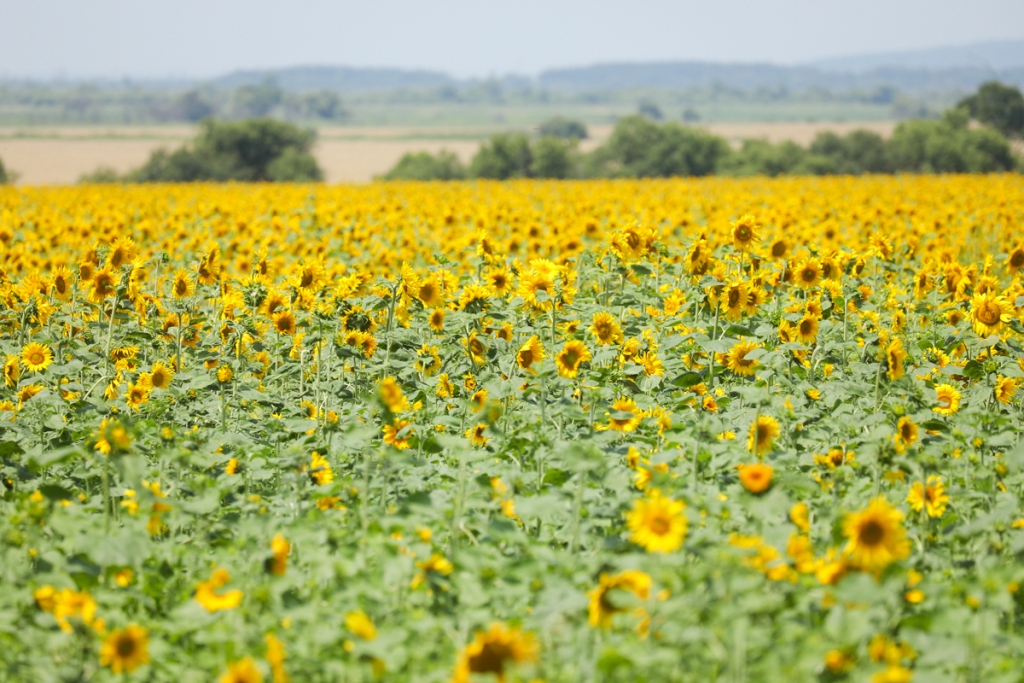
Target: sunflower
point(569, 359)
point(499, 280)
point(657, 523)
point(744, 233)
point(429, 360)
point(733, 299)
point(242, 671)
point(284, 322)
point(894, 356)
point(125, 650)
point(360, 625)
point(778, 249)
point(320, 470)
point(225, 374)
point(212, 601)
point(36, 357)
point(876, 536)
point(625, 415)
point(392, 396)
point(756, 478)
point(492, 651)
point(602, 609)
point(807, 329)
point(444, 388)
point(737, 361)
point(60, 283)
point(397, 433)
point(476, 435)
point(948, 398)
point(160, 375)
point(209, 267)
point(929, 496)
point(906, 434)
point(808, 273)
point(12, 370)
point(651, 364)
point(605, 329)
point(183, 285)
point(474, 298)
point(436, 320)
point(430, 293)
point(103, 285)
point(137, 395)
point(1015, 261)
point(989, 312)
point(529, 353)
point(476, 348)
point(763, 433)
point(1005, 389)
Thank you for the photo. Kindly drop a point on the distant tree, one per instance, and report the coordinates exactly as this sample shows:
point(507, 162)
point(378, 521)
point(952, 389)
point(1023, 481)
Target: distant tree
point(192, 106)
point(323, 104)
point(561, 127)
point(426, 166)
point(553, 157)
point(3, 174)
point(997, 105)
point(251, 150)
point(257, 100)
point(690, 115)
point(640, 148)
point(949, 146)
point(102, 175)
point(650, 110)
point(506, 155)
point(859, 152)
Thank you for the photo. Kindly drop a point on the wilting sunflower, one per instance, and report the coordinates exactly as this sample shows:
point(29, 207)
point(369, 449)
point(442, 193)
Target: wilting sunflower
point(529, 353)
point(624, 416)
point(876, 536)
point(183, 285)
point(894, 357)
point(657, 523)
point(606, 329)
point(569, 359)
point(906, 434)
point(1006, 388)
point(929, 496)
point(242, 671)
point(125, 650)
point(397, 433)
point(744, 233)
point(492, 651)
point(948, 398)
point(763, 433)
point(602, 609)
point(989, 312)
point(12, 370)
point(36, 357)
point(757, 477)
point(737, 361)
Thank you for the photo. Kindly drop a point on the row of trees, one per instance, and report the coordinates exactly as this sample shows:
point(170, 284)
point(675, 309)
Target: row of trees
point(641, 148)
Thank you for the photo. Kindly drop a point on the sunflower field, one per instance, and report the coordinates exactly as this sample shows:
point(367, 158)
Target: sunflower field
point(681, 430)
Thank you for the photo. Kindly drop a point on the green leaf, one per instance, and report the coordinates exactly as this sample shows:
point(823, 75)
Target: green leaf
point(688, 379)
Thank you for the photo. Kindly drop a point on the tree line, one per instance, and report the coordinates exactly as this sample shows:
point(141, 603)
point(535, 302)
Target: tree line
point(640, 147)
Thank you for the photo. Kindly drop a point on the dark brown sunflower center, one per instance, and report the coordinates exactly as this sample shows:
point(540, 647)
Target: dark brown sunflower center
point(872, 533)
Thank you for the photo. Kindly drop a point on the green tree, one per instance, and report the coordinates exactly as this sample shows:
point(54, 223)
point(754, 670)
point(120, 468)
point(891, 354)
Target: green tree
point(997, 105)
point(251, 150)
point(506, 155)
point(561, 127)
point(640, 148)
point(192, 106)
point(257, 100)
point(426, 166)
point(3, 174)
point(861, 151)
point(553, 157)
point(949, 146)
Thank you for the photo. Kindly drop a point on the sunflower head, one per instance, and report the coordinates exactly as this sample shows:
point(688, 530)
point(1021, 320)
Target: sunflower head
point(657, 524)
point(571, 357)
point(126, 649)
point(745, 233)
point(36, 357)
point(763, 433)
point(756, 478)
point(875, 536)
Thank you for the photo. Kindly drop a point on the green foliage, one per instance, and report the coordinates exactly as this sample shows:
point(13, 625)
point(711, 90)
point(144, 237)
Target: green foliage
point(949, 146)
point(102, 175)
point(257, 100)
point(322, 104)
point(650, 110)
point(640, 148)
point(561, 127)
point(507, 155)
point(859, 152)
point(997, 105)
point(3, 173)
point(192, 106)
point(426, 166)
point(252, 150)
point(553, 158)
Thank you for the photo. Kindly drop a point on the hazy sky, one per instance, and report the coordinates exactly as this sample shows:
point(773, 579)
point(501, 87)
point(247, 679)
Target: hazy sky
point(201, 38)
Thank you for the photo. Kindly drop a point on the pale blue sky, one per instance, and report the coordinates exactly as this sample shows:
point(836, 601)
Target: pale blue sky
point(203, 38)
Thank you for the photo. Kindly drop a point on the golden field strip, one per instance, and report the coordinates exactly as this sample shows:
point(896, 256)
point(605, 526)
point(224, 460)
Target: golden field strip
point(61, 155)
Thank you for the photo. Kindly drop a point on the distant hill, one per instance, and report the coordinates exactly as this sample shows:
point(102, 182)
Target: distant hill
point(993, 56)
point(747, 76)
point(339, 78)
